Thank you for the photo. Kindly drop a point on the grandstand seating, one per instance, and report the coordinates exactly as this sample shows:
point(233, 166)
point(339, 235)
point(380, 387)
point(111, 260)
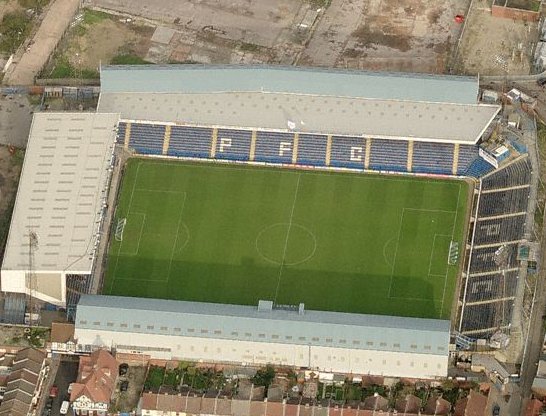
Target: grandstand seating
point(390, 155)
point(483, 259)
point(233, 144)
point(190, 141)
point(467, 155)
point(120, 137)
point(348, 152)
point(515, 174)
point(487, 316)
point(432, 158)
point(499, 230)
point(312, 149)
point(76, 285)
point(492, 286)
point(478, 168)
point(503, 202)
point(274, 147)
point(147, 138)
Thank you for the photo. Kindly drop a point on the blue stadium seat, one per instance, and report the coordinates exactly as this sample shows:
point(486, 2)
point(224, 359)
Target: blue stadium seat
point(434, 158)
point(274, 147)
point(312, 149)
point(389, 155)
point(233, 144)
point(478, 168)
point(120, 137)
point(147, 138)
point(467, 155)
point(348, 152)
point(190, 141)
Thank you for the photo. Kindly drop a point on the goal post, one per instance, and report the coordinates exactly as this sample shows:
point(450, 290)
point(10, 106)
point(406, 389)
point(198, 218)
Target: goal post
point(120, 226)
point(453, 255)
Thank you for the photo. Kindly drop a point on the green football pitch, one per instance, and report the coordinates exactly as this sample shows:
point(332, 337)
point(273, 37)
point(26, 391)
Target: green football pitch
point(335, 241)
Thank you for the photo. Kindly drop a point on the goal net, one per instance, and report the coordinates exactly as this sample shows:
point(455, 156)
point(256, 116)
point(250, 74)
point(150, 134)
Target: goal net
point(453, 256)
point(120, 226)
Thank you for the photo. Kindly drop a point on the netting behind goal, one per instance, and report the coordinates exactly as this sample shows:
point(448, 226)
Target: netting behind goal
point(453, 256)
point(120, 226)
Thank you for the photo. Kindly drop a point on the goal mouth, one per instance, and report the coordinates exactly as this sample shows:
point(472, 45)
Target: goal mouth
point(120, 226)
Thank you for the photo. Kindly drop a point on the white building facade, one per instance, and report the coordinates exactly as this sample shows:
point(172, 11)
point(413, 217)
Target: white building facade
point(325, 341)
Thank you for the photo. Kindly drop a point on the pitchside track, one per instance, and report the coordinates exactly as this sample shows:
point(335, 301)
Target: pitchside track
point(336, 241)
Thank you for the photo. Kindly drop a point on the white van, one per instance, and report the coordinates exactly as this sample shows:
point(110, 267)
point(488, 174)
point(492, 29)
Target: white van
point(64, 407)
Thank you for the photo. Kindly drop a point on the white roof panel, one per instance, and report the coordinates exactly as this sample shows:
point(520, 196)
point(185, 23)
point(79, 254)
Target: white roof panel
point(61, 191)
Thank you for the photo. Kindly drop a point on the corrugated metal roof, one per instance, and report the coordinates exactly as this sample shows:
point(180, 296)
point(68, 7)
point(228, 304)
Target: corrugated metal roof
point(237, 322)
point(440, 122)
point(60, 191)
point(290, 80)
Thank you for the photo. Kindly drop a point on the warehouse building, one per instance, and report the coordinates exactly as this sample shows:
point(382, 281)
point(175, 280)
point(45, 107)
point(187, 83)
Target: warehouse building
point(247, 335)
point(60, 203)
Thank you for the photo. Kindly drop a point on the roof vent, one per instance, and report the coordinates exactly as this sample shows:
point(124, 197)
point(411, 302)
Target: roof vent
point(265, 306)
point(301, 309)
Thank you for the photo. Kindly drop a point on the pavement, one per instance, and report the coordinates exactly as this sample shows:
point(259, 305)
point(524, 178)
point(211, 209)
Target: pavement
point(66, 374)
point(28, 63)
point(15, 120)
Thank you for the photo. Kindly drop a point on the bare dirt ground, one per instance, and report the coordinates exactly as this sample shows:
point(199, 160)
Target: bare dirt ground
point(406, 35)
point(15, 119)
point(495, 46)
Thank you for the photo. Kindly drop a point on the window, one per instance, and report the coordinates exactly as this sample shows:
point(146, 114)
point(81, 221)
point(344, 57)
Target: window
point(109, 324)
point(248, 334)
point(288, 337)
point(315, 339)
point(301, 338)
point(204, 331)
point(441, 349)
point(412, 364)
point(427, 347)
point(369, 343)
point(83, 322)
point(329, 340)
point(177, 330)
point(396, 345)
point(383, 344)
point(274, 336)
point(356, 342)
point(150, 327)
point(343, 341)
point(217, 332)
point(96, 323)
point(261, 335)
point(191, 330)
point(235, 334)
point(413, 346)
point(425, 365)
point(123, 325)
point(136, 326)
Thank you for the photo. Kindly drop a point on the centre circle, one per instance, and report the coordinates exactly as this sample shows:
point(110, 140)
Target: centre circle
point(284, 243)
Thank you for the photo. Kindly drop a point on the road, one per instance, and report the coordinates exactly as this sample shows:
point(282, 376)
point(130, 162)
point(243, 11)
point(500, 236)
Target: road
point(66, 374)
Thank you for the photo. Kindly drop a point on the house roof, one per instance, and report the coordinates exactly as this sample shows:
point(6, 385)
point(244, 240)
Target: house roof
point(408, 404)
point(62, 332)
point(60, 192)
point(472, 405)
point(437, 406)
point(96, 377)
point(329, 329)
point(21, 382)
point(376, 402)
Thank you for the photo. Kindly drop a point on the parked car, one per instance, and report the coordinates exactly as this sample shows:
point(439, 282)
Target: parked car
point(70, 387)
point(123, 368)
point(49, 403)
point(53, 391)
point(64, 408)
point(124, 385)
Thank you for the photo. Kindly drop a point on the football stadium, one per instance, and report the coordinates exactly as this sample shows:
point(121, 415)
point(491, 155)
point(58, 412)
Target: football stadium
point(331, 199)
